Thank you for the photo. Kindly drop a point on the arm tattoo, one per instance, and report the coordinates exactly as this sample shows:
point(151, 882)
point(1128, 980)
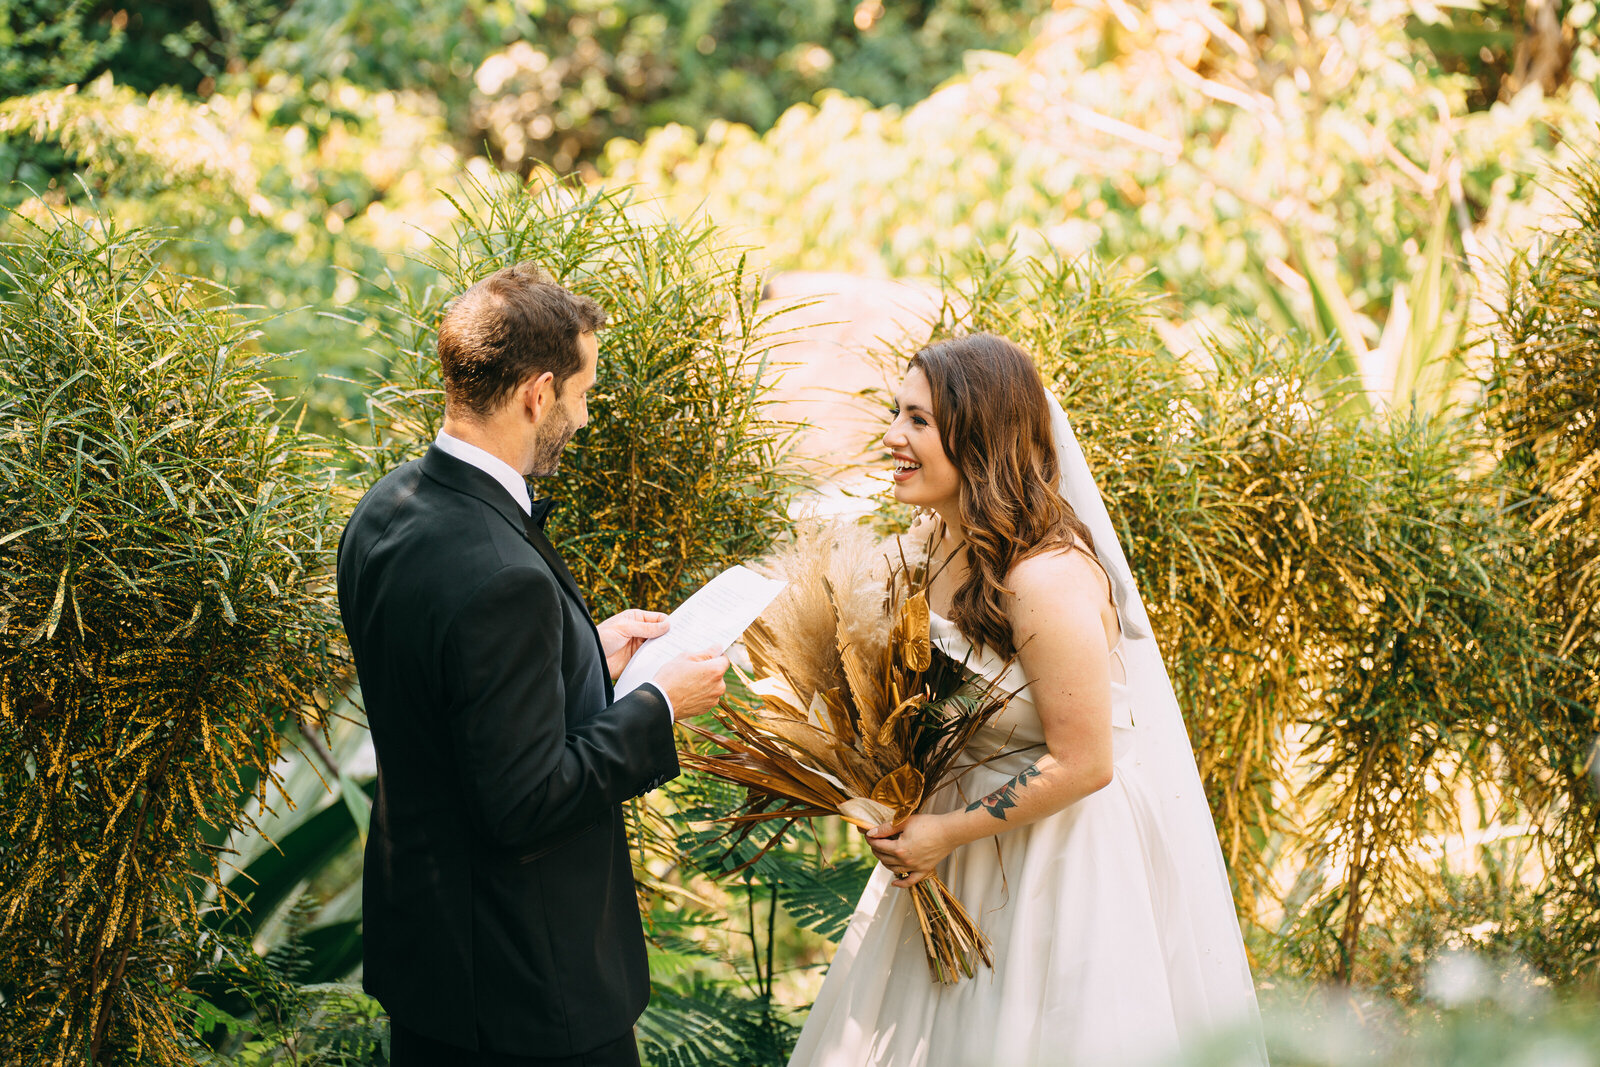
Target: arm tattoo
point(1005, 797)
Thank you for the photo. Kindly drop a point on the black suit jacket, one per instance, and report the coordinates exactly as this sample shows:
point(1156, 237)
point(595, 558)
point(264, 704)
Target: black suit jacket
point(499, 906)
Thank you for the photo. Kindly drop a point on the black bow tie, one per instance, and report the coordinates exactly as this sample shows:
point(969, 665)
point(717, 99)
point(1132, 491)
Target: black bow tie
point(540, 510)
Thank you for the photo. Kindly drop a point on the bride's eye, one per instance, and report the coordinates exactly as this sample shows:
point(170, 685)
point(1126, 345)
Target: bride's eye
point(894, 413)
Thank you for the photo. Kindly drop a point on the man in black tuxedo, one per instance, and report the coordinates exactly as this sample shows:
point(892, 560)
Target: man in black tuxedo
point(501, 925)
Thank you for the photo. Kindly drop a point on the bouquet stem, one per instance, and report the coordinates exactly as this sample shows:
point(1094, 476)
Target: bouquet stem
point(954, 944)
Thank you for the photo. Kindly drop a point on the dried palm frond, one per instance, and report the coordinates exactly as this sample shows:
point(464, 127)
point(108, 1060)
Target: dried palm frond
point(855, 714)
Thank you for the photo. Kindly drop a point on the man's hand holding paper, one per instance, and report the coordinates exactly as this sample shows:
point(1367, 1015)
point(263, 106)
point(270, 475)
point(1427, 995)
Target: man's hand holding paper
point(697, 633)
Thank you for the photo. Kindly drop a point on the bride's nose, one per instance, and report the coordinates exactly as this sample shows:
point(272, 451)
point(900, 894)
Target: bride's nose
point(894, 436)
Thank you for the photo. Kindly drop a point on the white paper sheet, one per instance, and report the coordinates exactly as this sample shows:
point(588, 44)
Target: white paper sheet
point(716, 614)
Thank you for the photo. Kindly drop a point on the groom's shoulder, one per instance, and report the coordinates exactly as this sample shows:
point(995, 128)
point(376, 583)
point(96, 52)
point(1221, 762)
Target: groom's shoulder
point(388, 495)
point(409, 515)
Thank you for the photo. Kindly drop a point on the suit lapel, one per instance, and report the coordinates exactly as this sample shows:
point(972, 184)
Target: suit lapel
point(533, 529)
point(463, 477)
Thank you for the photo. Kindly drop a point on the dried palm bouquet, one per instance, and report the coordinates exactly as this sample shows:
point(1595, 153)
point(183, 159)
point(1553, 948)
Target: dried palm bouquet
point(855, 712)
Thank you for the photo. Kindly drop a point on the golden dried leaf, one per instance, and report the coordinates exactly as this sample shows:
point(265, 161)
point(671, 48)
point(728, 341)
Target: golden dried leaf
point(778, 696)
point(902, 711)
point(900, 790)
point(821, 748)
point(839, 717)
point(912, 640)
point(861, 676)
point(760, 644)
point(855, 772)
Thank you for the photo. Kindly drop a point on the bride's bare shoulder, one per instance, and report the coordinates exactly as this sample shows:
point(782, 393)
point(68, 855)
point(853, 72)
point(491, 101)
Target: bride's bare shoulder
point(1058, 571)
point(1061, 589)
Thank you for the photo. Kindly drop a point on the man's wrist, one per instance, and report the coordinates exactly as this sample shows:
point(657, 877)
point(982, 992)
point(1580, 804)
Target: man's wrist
point(671, 715)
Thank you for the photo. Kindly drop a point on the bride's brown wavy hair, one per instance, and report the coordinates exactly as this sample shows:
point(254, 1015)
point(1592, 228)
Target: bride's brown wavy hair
point(994, 424)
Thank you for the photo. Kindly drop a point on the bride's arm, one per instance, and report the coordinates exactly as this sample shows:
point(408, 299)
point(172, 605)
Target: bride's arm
point(1064, 624)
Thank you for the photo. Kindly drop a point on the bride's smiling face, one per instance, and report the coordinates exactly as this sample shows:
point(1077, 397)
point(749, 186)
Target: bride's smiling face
point(923, 475)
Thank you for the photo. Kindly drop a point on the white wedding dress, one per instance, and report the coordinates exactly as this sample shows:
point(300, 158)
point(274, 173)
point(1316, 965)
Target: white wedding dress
point(1114, 935)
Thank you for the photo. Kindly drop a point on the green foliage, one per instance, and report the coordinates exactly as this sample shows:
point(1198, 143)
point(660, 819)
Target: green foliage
point(1504, 46)
point(1494, 916)
point(44, 44)
point(1253, 169)
point(707, 1024)
point(678, 474)
point(122, 143)
point(588, 72)
point(164, 612)
point(287, 213)
point(377, 45)
point(1543, 398)
point(222, 36)
point(553, 81)
point(283, 1017)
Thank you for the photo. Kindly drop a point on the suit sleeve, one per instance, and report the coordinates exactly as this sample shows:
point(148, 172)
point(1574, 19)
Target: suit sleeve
point(532, 778)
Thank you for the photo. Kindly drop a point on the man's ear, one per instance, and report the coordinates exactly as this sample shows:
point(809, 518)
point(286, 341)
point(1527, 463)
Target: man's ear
point(537, 395)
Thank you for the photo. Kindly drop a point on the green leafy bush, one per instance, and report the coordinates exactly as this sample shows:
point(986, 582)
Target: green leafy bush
point(1544, 392)
point(47, 43)
point(678, 474)
point(283, 1014)
point(163, 550)
point(586, 72)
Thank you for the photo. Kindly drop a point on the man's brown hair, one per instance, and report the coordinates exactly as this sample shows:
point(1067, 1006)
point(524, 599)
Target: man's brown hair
point(515, 324)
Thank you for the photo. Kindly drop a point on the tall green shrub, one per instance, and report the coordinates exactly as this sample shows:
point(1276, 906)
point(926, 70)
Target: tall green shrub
point(1544, 416)
point(163, 555)
point(44, 44)
point(679, 473)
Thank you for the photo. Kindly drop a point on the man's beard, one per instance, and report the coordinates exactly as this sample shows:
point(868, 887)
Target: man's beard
point(548, 447)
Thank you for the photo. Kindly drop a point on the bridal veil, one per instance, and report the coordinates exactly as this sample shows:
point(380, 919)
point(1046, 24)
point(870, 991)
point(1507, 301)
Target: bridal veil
point(1197, 910)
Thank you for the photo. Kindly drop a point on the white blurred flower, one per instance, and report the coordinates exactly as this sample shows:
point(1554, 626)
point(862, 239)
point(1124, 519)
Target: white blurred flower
point(1458, 978)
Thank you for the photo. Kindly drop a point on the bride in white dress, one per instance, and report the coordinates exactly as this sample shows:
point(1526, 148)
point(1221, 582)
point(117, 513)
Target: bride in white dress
point(1086, 851)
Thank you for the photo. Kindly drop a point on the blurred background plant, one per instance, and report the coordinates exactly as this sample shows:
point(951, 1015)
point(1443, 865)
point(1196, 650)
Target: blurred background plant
point(1307, 275)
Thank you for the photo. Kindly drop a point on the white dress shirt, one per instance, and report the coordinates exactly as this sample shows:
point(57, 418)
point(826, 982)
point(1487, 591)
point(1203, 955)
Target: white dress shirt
point(490, 464)
point(516, 485)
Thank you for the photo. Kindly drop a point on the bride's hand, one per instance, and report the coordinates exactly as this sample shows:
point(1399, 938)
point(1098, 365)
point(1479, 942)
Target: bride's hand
point(912, 848)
